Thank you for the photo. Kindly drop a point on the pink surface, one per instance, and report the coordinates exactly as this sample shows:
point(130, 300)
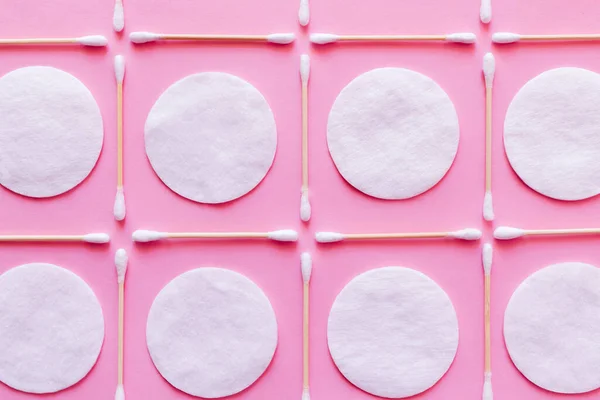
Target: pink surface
point(454, 203)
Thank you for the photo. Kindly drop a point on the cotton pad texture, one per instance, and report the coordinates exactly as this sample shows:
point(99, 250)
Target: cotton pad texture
point(211, 137)
point(392, 332)
point(552, 133)
point(552, 328)
point(51, 131)
point(51, 328)
point(393, 133)
point(211, 332)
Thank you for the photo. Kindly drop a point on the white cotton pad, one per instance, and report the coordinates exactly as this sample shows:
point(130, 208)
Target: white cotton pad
point(211, 332)
point(552, 133)
point(51, 328)
point(211, 137)
point(393, 133)
point(552, 328)
point(50, 131)
point(393, 332)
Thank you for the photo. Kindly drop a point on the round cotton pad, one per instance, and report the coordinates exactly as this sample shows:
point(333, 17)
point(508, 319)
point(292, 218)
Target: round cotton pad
point(552, 133)
point(211, 137)
point(393, 332)
point(211, 332)
point(552, 328)
point(51, 328)
point(50, 131)
point(393, 133)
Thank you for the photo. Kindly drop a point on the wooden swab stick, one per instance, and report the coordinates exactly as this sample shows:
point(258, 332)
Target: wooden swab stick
point(285, 235)
point(464, 234)
point(92, 41)
point(96, 238)
point(118, 16)
point(306, 264)
point(304, 13)
point(326, 38)
point(508, 37)
point(119, 209)
point(121, 260)
point(305, 208)
point(489, 69)
point(508, 233)
point(277, 38)
point(487, 269)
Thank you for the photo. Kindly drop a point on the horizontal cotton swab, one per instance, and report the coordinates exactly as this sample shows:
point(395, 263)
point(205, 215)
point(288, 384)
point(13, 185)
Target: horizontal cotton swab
point(118, 16)
point(92, 41)
point(306, 265)
point(285, 235)
point(121, 260)
point(464, 234)
point(326, 38)
point(508, 233)
point(509, 37)
point(97, 238)
point(489, 69)
point(147, 37)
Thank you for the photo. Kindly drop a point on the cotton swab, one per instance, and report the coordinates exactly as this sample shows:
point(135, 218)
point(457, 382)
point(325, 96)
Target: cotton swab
point(118, 16)
point(487, 269)
point(326, 38)
point(464, 234)
point(304, 13)
point(489, 69)
point(306, 264)
point(508, 233)
point(305, 208)
point(119, 209)
point(96, 238)
point(485, 12)
point(508, 37)
point(91, 41)
point(121, 260)
point(285, 235)
point(276, 38)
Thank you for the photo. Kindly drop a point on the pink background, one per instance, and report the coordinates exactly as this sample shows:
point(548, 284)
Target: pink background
point(454, 203)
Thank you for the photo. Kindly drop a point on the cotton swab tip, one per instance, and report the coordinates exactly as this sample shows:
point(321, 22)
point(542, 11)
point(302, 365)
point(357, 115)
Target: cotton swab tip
point(487, 255)
point(488, 207)
point(281, 38)
point(118, 16)
point(120, 394)
point(462, 37)
point(323, 38)
point(143, 37)
point(119, 209)
point(466, 234)
point(507, 233)
point(305, 394)
point(121, 260)
point(489, 69)
point(119, 68)
point(144, 236)
point(305, 209)
point(485, 12)
point(306, 264)
point(284, 235)
point(487, 387)
point(505, 37)
point(304, 68)
point(304, 13)
point(97, 238)
point(328, 237)
point(93, 40)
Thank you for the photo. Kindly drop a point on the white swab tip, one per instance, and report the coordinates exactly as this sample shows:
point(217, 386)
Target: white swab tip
point(507, 233)
point(118, 16)
point(487, 387)
point(305, 394)
point(323, 38)
point(488, 253)
point(505, 37)
point(284, 235)
point(485, 12)
point(305, 208)
point(144, 236)
point(488, 207)
point(304, 67)
point(121, 260)
point(304, 13)
point(93, 40)
point(143, 37)
point(96, 238)
point(328, 237)
point(120, 394)
point(306, 264)
point(462, 37)
point(281, 38)
point(466, 234)
point(119, 68)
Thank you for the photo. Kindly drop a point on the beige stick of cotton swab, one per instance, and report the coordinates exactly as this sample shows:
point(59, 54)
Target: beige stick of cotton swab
point(489, 69)
point(326, 38)
point(306, 264)
point(147, 37)
point(121, 265)
point(119, 209)
point(284, 235)
point(487, 269)
point(305, 208)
